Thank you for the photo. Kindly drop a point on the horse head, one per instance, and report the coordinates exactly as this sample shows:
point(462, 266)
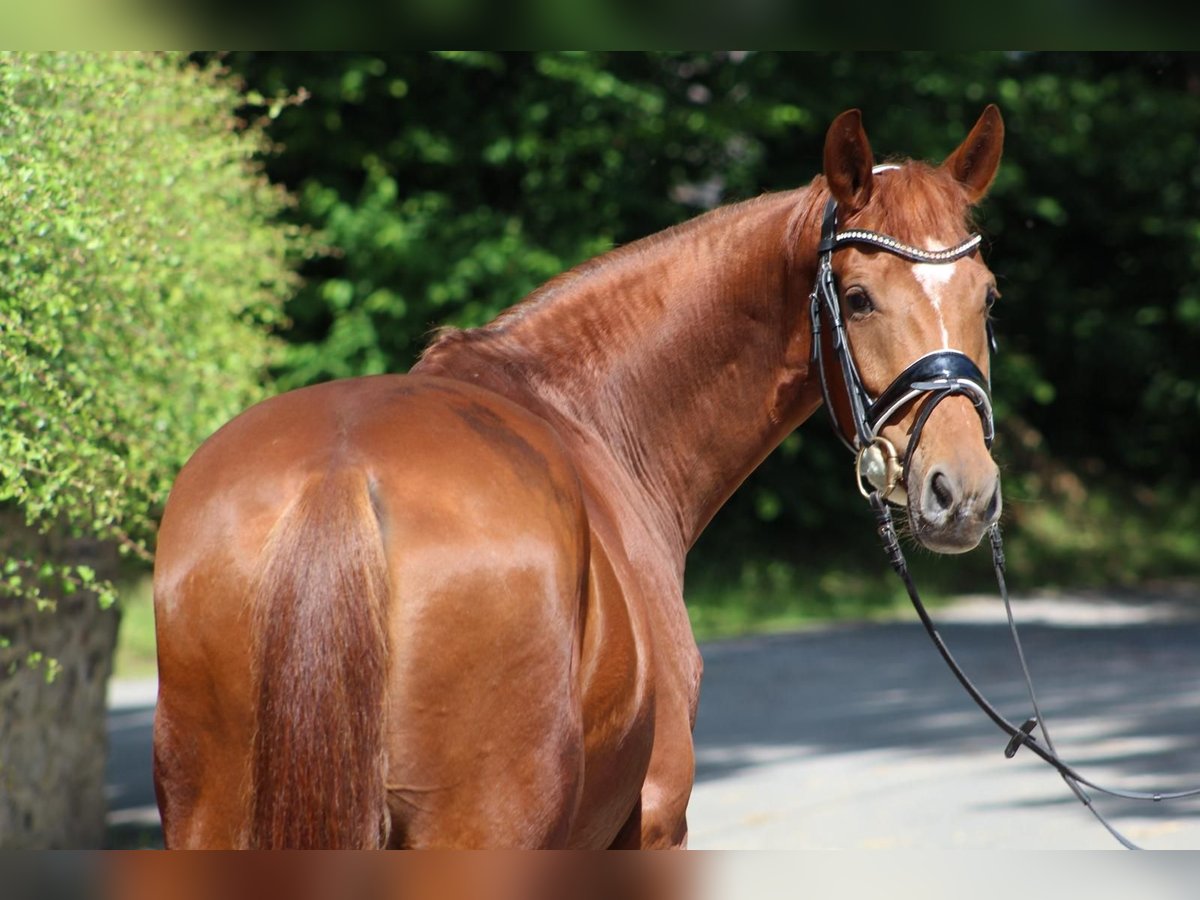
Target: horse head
point(904, 353)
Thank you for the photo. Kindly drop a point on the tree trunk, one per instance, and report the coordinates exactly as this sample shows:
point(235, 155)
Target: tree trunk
point(52, 735)
point(53, 743)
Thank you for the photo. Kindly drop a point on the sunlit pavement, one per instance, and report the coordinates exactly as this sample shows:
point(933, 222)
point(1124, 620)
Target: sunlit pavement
point(856, 736)
point(859, 737)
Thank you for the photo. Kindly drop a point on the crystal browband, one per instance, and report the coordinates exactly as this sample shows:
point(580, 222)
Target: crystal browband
point(915, 254)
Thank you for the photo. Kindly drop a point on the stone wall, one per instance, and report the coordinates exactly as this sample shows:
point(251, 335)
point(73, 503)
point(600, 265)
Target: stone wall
point(52, 736)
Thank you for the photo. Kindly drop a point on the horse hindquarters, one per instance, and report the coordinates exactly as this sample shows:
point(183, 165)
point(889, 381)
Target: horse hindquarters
point(368, 577)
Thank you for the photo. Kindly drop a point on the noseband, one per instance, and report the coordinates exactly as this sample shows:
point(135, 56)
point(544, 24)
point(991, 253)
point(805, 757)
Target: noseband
point(940, 374)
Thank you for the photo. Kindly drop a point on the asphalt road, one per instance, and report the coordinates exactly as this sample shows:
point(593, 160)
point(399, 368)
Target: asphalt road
point(856, 736)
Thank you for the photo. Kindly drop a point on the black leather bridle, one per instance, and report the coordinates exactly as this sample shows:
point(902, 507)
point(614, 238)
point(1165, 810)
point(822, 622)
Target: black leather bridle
point(936, 376)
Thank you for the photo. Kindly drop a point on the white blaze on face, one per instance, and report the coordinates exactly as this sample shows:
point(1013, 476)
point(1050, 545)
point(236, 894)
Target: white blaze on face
point(934, 279)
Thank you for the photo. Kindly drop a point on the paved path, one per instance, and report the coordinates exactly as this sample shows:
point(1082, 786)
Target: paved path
point(856, 736)
point(859, 737)
point(132, 812)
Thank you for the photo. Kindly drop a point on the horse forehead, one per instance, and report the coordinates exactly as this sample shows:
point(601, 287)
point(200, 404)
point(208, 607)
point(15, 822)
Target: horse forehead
point(935, 278)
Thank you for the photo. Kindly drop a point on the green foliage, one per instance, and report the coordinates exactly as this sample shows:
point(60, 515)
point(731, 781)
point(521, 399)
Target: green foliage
point(140, 269)
point(451, 184)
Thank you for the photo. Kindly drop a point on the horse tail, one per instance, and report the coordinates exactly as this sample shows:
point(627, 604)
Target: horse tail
point(319, 621)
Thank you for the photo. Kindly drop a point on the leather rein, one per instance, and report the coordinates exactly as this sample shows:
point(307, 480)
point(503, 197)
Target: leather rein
point(880, 474)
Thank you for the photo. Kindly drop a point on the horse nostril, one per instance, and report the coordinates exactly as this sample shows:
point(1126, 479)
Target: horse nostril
point(942, 490)
point(992, 513)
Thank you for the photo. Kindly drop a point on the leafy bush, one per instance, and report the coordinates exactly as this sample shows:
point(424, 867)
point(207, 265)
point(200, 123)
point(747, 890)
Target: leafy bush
point(141, 264)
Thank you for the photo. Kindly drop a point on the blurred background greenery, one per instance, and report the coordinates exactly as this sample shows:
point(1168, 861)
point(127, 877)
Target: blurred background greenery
point(442, 187)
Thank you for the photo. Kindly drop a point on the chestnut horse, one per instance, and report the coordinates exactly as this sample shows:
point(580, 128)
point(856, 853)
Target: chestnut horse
point(445, 609)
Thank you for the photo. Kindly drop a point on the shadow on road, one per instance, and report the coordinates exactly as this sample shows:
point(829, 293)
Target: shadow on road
point(132, 812)
point(1122, 702)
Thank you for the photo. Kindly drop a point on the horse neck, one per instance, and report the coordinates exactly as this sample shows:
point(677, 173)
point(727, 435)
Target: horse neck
point(686, 355)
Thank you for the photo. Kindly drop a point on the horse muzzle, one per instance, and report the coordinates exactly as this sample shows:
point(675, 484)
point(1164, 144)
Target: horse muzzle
point(950, 510)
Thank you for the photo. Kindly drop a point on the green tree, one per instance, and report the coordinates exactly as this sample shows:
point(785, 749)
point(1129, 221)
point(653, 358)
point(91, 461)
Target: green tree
point(452, 184)
point(140, 265)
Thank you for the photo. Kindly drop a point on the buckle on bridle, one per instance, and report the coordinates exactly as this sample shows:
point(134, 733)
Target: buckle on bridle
point(1022, 737)
point(878, 464)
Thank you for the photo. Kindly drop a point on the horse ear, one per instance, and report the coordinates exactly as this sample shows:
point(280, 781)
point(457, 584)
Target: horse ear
point(976, 160)
point(848, 162)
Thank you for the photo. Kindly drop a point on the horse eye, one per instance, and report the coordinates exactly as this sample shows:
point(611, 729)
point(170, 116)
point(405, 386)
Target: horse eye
point(859, 301)
point(992, 296)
